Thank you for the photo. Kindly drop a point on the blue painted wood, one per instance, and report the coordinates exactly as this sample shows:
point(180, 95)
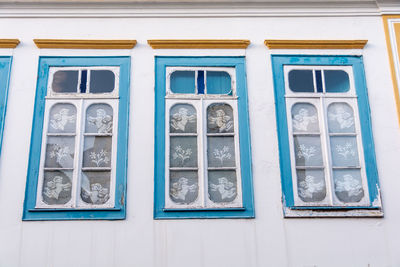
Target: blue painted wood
point(119, 210)
point(244, 139)
point(5, 71)
point(278, 61)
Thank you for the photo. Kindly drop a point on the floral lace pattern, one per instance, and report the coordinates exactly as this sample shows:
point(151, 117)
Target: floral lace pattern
point(221, 120)
point(60, 152)
point(54, 187)
point(306, 152)
point(348, 184)
point(310, 186)
point(181, 118)
point(302, 120)
point(99, 158)
point(59, 120)
point(181, 188)
point(182, 154)
point(102, 121)
point(222, 154)
point(342, 117)
point(224, 187)
point(345, 150)
point(97, 194)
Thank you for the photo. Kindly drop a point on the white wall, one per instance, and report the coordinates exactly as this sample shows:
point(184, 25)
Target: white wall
point(267, 240)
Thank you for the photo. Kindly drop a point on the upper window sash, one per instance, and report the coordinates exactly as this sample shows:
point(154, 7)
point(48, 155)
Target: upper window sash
point(203, 93)
point(83, 79)
point(319, 81)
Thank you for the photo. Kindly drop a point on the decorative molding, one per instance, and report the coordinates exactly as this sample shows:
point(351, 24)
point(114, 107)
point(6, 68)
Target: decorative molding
point(9, 43)
point(315, 44)
point(84, 44)
point(198, 44)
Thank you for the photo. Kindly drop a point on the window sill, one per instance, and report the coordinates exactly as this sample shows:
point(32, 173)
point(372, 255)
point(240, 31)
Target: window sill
point(312, 212)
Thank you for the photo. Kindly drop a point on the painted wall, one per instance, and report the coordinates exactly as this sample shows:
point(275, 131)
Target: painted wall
point(267, 240)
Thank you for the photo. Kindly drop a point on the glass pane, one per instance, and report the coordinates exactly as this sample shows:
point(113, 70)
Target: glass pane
point(311, 185)
point(182, 82)
point(183, 152)
point(200, 82)
point(183, 186)
point(222, 186)
point(336, 81)
point(97, 151)
point(308, 151)
point(220, 118)
point(305, 118)
point(301, 81)
point(183, 119)
point(83, 85)
point(57, 187)
point(221, 151)
point(218, 82)
point(340, 118)
point(344, 151)
point(99, 119)
point(60, 152)
point(101, 81)
point(95, 187)
point(348, 185)
point(318, 80)
point(65, 81)
point(62, 118)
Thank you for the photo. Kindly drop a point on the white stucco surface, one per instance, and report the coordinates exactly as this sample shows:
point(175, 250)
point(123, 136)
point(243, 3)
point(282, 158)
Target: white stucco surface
point(267, 240)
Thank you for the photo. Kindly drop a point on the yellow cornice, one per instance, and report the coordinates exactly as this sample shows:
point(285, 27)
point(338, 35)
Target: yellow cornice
point(198, 44)
point(84, 44)
point(9, 43)
point(315, 44)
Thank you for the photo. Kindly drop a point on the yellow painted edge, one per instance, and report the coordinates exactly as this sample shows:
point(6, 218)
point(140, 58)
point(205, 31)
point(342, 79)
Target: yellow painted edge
point(315, 44)
point(84, 44)
point(391, 60)
point(9, 43)
point(198, 44)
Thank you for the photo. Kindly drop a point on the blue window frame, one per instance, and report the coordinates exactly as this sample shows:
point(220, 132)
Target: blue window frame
point(202, 140)
point(326, 148)
point(5, 70)
point(80, 131)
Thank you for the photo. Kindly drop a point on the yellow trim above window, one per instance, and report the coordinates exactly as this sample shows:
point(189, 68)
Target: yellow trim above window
point(198, 44)
point(315, 44)
point(84, 44)
point(9, 43)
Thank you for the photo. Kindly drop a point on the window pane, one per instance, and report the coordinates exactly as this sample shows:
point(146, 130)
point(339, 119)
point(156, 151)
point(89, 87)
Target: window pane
point(97, 151)
point(62, 118)
point(222, 186)
point(101, 81)
point(182, 82)
point(183, 152)
point(340, 118)
point(311, 185)
point(65, 81)
point(218, 82)
point(95, 187)
point(183, 119)
point(57, 187)
point(305, 118)
point(308, 151)
point(60, 152)
point(344, 151)
point(336, 81)
point(221, 151)
point(99, 119)
point(220, 118)
point(348, 185)
point(301, 81)
point(183, 186)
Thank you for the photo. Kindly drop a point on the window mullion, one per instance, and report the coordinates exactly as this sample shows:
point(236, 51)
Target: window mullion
point(326, 151)
point(78, 153)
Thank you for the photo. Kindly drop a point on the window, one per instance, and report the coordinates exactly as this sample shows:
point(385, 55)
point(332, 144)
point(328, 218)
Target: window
point(80, 131)
point(326, 148)
point(5, 70)
point(203, 164)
